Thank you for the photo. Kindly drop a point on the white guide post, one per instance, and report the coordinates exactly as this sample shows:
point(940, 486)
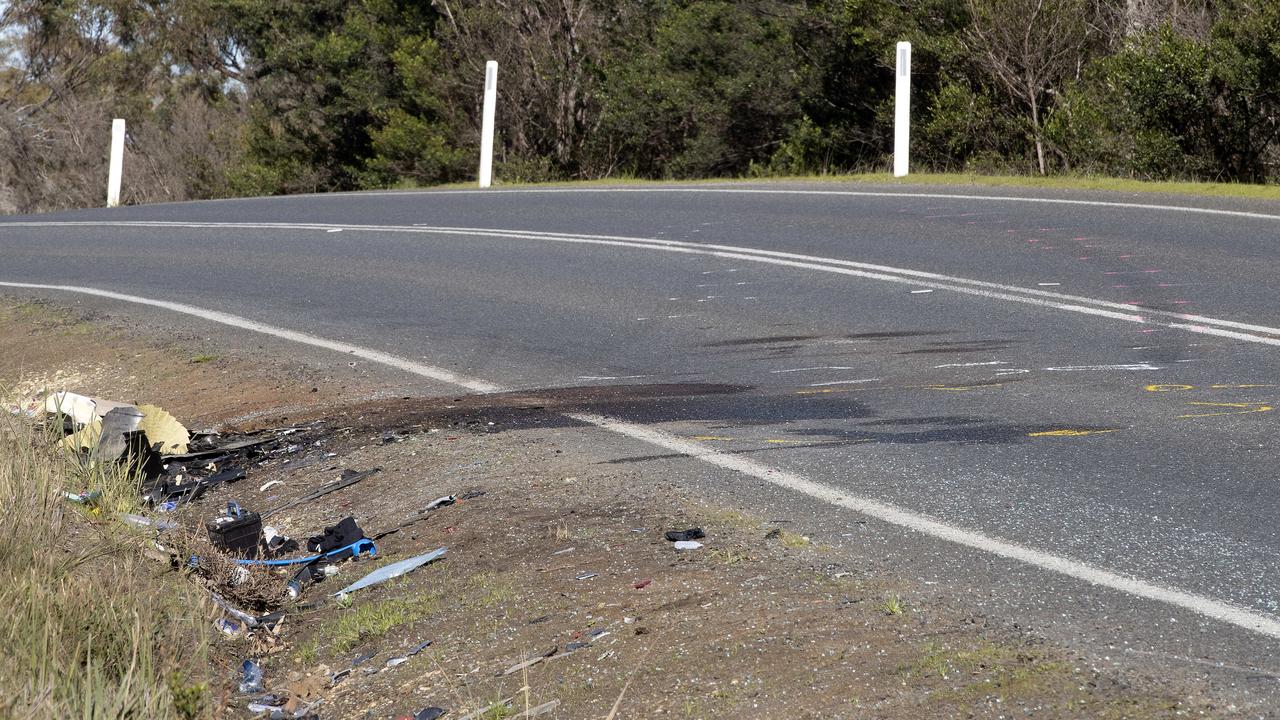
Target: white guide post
point(902, 112)
point(117, 162)
point(486, 126)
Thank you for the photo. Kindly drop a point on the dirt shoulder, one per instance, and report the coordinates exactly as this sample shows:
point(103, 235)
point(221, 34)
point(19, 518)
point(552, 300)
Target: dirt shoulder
point(551, 556)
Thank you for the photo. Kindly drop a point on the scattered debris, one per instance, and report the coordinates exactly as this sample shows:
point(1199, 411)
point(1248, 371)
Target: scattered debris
point(251, 677)
point(393, 662)
point(239, 531)
point(393, 570)
point(342, 534)
point(349, 478)
point(529, 663)
point(690, 534)
point(687, 545)
point(83, 498)
point(587, 576)
point(167, 435)
point(642, 584)
point(270, 484)
point(426, 713)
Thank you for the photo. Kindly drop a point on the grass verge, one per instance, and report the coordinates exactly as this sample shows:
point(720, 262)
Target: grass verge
point(1052, 182)
point(92, 629)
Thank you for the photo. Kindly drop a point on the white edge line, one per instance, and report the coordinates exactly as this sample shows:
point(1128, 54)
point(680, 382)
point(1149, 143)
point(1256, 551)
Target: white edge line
point(1206, 606)
point(828, 193)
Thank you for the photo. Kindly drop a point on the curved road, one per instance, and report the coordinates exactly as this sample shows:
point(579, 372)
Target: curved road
point(1058, 405)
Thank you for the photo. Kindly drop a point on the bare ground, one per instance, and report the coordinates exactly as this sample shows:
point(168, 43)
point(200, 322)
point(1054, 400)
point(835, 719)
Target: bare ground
point(560, 557)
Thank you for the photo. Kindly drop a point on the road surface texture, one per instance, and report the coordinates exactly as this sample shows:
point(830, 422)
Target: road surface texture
point(1056, 406)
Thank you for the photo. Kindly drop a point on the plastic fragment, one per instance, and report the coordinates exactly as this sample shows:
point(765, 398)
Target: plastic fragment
point(587, 576)
point(428, 713)
point(251, 677)
point(690, 534)
point(393, 570)
point(688, 545)
point(405, 658)
point(642, 584)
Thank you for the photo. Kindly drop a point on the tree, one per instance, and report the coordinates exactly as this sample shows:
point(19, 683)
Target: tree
point(1030, 47)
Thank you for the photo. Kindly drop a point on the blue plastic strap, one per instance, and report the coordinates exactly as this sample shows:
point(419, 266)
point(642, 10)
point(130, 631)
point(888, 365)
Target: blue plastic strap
point(358, 547)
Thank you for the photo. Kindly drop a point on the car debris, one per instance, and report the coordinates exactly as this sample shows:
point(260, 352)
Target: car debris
point(347, 479)
point(238, 531)
point(341, 534)
point(391, 571)
point(395, 661)
point(251, 677)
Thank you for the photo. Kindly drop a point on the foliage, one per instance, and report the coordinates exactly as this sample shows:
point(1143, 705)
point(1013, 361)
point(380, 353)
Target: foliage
point(228, 97)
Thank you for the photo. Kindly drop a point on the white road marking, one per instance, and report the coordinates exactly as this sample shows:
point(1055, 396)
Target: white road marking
point(996, 291)
point(1200, 604)
point(972, 364)
point(845, 382)
point(920, 292)
point(1083, 368)
point(830, 193)
point(807, 369)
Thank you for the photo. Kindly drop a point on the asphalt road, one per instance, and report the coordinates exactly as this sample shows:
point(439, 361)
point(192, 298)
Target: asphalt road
point(1122, 438)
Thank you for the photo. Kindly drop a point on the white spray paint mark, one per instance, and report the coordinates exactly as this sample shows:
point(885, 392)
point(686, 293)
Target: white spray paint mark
point(920, 292)
point(886, 512)
point(807, 369)
point(1082, 368)
point(845, 382)
point(610, 377)
point(972, 364)
point(1048, 284)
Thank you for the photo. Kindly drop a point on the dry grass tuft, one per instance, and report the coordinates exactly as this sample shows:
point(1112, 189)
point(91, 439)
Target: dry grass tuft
point(93, 629)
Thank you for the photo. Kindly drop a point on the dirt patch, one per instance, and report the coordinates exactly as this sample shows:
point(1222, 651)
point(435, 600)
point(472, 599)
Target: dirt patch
point(558, 590)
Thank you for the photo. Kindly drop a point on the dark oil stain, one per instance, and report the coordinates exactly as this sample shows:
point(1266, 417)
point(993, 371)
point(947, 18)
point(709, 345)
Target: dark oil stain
point(768, 340)
point(894, 334)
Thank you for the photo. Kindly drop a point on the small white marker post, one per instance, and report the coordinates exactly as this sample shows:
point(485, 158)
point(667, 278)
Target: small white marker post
point(486, 126)
point(902, 112)
point(117, 162)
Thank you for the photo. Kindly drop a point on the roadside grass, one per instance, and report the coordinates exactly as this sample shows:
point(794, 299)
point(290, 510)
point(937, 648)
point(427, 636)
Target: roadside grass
point(92, 629)
point(1052, 182)
point(893, 606)
point(364, 622)
point(200, 359)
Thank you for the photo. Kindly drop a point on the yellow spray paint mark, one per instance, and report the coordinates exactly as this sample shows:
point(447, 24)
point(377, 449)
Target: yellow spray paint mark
point(779, 441)
point(1068, 433)
point(708, 438)
point(1239, 409)
point(1223, 387)
point(1169, 388)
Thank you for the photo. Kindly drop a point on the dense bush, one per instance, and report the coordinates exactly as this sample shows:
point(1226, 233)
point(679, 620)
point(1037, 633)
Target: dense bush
point(249, 96)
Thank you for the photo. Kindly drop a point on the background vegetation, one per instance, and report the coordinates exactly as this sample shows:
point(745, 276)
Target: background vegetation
point(229, 97)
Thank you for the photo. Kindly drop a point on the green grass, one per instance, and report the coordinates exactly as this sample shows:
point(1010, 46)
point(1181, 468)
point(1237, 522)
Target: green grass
point(199, 359)
point(1051, 182)
point(373, 620)
point(92, 630)
point(893, 606)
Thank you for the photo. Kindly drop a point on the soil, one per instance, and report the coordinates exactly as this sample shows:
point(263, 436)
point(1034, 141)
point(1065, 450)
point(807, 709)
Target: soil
point(555, 557)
